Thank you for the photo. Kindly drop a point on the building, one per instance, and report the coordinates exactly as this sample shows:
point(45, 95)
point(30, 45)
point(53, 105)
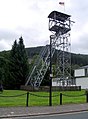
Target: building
point(56, 82)
point(60, 82)
point(81, 77)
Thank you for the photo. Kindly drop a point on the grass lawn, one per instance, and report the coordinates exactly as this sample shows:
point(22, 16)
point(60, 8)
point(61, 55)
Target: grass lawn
point(12, 101)
point(36, 100)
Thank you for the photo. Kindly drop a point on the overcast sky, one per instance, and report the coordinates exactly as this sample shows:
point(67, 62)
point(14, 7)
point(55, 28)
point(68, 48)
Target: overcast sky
point(28, 18)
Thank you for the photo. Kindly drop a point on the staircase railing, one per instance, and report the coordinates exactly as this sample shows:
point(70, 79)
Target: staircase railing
point(41, 64)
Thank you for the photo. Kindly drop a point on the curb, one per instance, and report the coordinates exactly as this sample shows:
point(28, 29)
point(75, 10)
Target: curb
point(40, 114)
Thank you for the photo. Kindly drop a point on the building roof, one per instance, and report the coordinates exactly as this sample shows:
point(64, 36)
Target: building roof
point(84, 67)
point(58, 16)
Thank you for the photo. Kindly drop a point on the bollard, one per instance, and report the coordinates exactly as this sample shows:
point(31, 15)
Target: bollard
point(60, 98)
point(86, 97)
point(27, 99)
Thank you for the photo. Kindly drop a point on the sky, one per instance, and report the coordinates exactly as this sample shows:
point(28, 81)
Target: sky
point(29, 19)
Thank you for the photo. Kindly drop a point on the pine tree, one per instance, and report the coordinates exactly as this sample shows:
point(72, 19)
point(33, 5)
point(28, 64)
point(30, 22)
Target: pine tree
point(23, 61)
point(13, 66)
point(4, 69)
point(19, 65)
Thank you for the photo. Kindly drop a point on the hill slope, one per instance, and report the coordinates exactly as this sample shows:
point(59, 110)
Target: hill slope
point(76, 59)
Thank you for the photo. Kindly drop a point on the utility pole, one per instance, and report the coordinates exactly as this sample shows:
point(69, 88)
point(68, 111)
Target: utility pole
point(50, 96)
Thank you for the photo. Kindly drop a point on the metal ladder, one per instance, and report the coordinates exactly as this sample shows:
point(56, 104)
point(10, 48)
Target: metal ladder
point(41, 64)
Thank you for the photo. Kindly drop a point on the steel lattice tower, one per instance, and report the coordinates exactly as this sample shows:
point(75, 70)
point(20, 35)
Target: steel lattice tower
point(59, 25)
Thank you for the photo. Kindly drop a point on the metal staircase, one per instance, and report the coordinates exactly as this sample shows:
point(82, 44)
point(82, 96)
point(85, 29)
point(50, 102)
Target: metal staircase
point(41, 65)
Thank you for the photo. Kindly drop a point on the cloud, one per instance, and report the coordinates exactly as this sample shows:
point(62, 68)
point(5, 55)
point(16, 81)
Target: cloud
point(7, 37)
point(79, 37)
point(4, 45)
point(7, 34)
point(29, 19)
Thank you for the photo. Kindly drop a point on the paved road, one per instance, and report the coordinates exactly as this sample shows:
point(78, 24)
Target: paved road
point(76, 115)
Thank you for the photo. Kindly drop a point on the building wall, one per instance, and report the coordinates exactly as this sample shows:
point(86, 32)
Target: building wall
point(58, 82)
point(55, 82)
point(79, 72)
point(83, 82)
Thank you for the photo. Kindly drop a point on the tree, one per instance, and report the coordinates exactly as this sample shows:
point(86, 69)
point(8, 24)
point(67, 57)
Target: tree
point(4, 68)
point(19, 65)
point(23, 61)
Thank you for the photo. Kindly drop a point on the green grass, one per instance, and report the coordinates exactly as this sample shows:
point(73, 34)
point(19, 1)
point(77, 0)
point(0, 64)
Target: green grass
point(12, 101)
point(76, 97)
point(39, 101)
